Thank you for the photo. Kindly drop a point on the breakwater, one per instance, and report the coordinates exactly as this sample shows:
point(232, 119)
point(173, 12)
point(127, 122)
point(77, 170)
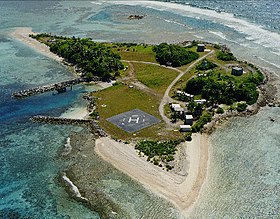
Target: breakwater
point(91, 124)
point(59, 87)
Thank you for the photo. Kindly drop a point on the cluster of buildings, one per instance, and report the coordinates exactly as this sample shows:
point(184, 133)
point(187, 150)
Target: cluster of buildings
point(184, 115)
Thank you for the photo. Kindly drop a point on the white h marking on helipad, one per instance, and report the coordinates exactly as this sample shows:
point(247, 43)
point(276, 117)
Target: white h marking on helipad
point(133, 119)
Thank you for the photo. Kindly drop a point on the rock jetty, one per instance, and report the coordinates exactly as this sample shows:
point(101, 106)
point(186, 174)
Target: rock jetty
point(59, 87)
point(91, 124)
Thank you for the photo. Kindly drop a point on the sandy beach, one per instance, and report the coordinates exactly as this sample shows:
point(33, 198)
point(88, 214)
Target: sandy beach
point(22, 34)
point(181, 190)
point(75, 113)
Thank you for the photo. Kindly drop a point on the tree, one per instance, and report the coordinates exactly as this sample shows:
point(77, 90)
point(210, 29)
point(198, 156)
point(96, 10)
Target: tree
point(174, 55)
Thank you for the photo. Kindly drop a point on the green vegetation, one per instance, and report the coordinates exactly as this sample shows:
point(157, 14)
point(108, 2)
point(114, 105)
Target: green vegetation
point(158, 152)
point(188, 136)
point(95, 59)
point(94, 115)
point(195, 109)
point(155, 77)
point(219, 88)
point(205, 65)
point(220, 110)
point(241, 107)
point(134, 52)
point(225, 56)
point(199, 124)
point(173, 55)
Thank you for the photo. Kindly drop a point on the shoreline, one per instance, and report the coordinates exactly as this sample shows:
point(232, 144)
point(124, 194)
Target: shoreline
point(180, 190)
point(22, 34)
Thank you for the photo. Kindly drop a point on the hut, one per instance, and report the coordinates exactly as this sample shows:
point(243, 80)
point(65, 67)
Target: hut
point(200, 48)
point(237, 71)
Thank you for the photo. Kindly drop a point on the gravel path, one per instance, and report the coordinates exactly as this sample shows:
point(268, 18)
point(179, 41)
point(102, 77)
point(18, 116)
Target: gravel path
point(166, 98)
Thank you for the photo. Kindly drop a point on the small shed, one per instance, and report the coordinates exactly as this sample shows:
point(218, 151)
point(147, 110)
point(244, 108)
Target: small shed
point(237, 71)
point(200, 48)
point(185, 128)
point(188, 119)
point(175, 105)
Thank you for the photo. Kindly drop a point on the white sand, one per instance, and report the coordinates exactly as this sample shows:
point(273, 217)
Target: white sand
point(22, 34)
point(182, 191)
point(75, 113)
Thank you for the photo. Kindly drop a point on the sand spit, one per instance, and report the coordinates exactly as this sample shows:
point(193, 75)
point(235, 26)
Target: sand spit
point(22, 34)
point(182, 191)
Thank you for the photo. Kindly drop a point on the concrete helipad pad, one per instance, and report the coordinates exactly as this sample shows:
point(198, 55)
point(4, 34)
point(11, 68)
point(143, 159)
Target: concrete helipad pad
point(133, 120)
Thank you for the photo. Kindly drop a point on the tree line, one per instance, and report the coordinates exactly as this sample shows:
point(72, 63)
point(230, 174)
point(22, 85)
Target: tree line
point(95, 59)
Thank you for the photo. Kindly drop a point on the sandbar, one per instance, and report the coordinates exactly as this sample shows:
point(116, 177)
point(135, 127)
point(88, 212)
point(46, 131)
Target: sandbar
point(22, 34)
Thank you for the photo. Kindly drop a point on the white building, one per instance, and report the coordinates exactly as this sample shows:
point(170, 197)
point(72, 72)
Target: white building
point(185, 128)
point(175, 105)
point(202, 101)
point(188, 119)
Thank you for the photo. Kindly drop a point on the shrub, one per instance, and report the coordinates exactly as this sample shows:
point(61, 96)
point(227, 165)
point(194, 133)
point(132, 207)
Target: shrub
point(216, 46)
point(199, 124)
point(188, 136)
point(225, 56)
point(158, 151)
point(94, 115)
point(220, 110)
point(241, 107)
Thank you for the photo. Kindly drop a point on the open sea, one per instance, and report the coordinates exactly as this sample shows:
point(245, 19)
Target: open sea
point(244, 174)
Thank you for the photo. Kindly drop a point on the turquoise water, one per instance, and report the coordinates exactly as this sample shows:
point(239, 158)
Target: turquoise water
point(243, 179)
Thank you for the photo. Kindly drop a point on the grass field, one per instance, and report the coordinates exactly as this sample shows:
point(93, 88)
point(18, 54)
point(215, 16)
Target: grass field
point(120, 98)
point(155, 77)
point(135, 53)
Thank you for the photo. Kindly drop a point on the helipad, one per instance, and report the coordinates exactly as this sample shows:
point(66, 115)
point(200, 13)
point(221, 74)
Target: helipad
point(133, 120)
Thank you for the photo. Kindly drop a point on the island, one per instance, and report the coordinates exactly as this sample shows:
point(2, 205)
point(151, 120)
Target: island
point(153, 122)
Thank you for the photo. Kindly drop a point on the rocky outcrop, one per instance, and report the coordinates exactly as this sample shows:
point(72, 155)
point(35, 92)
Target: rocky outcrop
point(135, 17)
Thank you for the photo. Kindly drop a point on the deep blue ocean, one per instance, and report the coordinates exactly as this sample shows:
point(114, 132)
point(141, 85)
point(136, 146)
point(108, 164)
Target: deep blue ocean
point(244, 174)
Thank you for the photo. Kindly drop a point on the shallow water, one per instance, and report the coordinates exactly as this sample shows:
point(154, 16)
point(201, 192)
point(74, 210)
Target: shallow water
point(243, 180)
point(244, 177)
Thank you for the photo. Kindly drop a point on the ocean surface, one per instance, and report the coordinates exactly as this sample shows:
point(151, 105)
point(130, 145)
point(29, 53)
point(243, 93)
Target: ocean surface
point(244, 174)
